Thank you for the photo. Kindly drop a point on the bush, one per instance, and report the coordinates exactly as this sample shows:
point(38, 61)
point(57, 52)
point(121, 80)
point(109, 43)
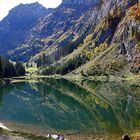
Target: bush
point(117, 64)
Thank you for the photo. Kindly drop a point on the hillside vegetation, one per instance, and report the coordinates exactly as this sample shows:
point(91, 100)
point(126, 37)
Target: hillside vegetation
point(112, 48)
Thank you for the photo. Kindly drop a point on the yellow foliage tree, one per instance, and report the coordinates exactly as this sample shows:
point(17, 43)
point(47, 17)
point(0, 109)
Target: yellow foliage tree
point(96, 50)
point(88, 38)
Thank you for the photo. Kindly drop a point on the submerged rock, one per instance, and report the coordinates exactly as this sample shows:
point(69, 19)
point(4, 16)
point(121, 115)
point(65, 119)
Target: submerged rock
point(4, 127)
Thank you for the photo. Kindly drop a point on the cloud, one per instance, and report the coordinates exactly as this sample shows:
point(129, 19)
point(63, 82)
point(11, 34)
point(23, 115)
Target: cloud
point(6, 5)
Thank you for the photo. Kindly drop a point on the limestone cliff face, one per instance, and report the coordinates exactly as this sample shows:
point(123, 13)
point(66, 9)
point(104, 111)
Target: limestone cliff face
point(81, 2)
point(127, 38)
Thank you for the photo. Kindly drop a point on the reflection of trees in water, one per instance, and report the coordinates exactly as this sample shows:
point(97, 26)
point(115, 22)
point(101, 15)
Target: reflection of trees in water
point(115, 100)
point(135, 89)
point(5, 89)
point(60, 104)
point(69, 110)
point(1, 98)
point(122, 99)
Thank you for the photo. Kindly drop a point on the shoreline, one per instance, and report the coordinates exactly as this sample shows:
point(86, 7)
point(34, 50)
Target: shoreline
point(26, 133)
point(134, 79)
point(131, 79)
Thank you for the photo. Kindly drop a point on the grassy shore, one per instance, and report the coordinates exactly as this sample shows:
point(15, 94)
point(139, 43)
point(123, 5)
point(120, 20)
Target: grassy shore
point(16, 135)
point(134, 79)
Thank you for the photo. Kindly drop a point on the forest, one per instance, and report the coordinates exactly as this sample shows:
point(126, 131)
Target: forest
point(11, 69)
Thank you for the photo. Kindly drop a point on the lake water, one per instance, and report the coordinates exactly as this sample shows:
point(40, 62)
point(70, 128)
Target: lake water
point(67, 107)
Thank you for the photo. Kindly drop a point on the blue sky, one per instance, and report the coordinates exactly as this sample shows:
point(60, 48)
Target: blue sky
point(6, 5)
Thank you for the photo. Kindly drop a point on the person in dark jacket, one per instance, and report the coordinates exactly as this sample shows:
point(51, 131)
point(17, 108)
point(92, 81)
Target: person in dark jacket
point(125, 137)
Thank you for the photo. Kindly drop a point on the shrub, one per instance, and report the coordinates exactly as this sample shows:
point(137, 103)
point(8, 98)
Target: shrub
point(117, 64)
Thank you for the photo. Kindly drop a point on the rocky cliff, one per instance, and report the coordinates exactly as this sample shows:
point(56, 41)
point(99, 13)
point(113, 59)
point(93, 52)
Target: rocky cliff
point(121, 55)
point(112, 47)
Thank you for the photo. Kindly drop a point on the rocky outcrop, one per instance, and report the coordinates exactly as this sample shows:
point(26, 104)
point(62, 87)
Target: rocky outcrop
point(4, 127)
point(127, 37)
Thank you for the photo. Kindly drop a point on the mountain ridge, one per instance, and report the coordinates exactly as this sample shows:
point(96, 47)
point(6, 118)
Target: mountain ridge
point(53, 27)
point(81, 2)
point(15, 27)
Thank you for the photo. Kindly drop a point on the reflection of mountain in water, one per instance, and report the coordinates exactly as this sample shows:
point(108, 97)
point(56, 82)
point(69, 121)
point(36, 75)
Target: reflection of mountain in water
point(63, 105)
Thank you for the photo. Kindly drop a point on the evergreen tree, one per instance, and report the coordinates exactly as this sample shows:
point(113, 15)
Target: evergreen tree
point(9, 69)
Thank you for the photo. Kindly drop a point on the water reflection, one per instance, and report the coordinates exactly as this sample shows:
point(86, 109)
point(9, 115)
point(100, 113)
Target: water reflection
point(67, 106)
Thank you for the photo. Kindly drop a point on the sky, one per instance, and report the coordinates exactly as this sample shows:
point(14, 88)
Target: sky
point(6, 5)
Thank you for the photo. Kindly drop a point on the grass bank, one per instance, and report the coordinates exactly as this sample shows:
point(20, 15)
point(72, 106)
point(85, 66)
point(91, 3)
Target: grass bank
point(134, 79)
